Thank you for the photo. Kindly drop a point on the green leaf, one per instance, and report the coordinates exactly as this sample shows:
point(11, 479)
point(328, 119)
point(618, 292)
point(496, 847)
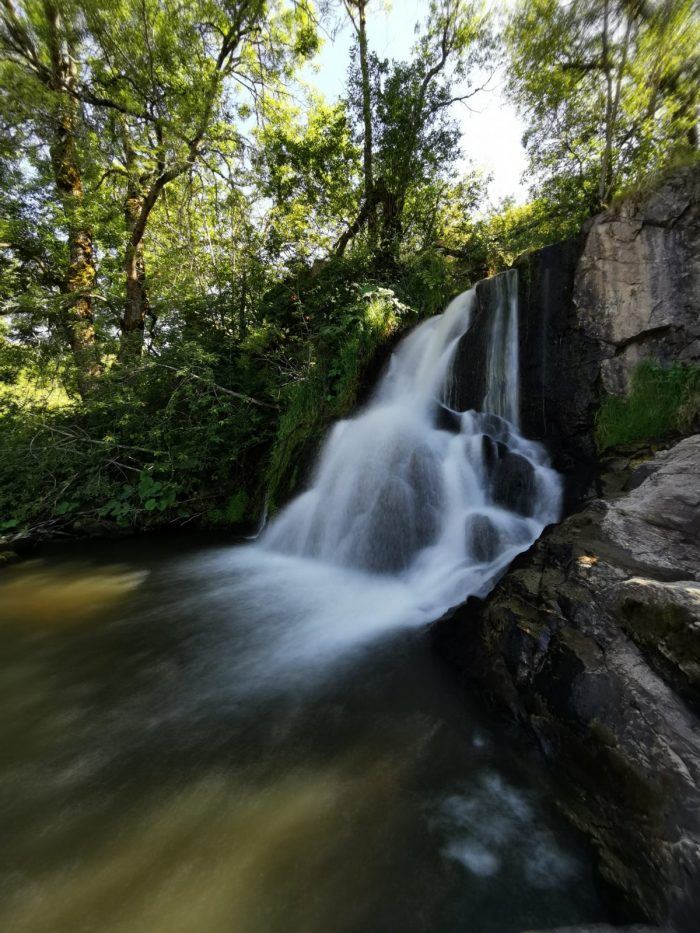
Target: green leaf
point(64, 507)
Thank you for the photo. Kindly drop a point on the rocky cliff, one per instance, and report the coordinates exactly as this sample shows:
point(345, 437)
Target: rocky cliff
point(591, 309)
point(591, 641)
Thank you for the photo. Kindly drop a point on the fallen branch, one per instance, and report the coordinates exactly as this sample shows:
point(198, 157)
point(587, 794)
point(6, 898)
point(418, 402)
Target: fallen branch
point(245, 398)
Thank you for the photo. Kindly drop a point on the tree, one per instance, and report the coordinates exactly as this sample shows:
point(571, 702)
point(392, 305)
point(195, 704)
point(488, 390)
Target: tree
point(158, 81)
point(357, 12)
point(610, 89)
point(41, 49)
point(414, 136)
point(307, 167)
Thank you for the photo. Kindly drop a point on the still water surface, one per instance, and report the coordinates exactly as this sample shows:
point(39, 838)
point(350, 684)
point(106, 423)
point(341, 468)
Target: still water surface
point(155, 779)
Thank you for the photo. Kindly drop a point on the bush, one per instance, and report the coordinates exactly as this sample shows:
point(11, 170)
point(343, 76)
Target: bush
point(330, 388)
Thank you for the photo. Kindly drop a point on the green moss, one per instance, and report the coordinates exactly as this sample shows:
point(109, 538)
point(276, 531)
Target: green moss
point(662, 401)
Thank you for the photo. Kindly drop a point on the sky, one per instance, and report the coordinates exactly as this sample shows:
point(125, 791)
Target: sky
point(491, 129)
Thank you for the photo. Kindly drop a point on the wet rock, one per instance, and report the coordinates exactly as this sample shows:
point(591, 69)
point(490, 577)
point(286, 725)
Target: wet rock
point(590, 310)
point(8, 556)
point(404, 518)
point(659, 521)
point(592, 642)
point(559, 366)
point(448, 420)
point(483, 538)
point(513, 483)
point(492, 450)
point(93, 527)
point(593, 307)
point(496, 427)
point(664, 620)
point(23, 545)
point(466, 387)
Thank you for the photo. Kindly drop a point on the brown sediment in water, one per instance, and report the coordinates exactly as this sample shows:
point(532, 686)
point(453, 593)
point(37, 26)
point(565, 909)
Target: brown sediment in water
point(44, 595)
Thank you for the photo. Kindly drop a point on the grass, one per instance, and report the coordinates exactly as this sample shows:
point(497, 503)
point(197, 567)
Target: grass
point(662, 401)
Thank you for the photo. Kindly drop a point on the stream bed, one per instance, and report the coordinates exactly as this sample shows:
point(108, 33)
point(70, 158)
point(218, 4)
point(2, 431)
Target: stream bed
point(179, 756)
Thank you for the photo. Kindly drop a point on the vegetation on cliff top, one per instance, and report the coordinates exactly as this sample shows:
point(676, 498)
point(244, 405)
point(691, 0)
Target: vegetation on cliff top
point(200, 255)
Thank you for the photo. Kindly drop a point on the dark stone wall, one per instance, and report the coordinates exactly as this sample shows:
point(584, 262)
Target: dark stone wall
point(559, 366)
point(590, 309)
point(466, 384)
point(590, 641)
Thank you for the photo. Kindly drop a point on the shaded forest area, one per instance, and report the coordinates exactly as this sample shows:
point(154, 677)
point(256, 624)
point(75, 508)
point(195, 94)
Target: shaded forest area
point(200, 255)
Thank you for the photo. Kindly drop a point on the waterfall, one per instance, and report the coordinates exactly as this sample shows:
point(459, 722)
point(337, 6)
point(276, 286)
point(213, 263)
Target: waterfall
point(502, 364)
point(410, 486)
point(414, 505)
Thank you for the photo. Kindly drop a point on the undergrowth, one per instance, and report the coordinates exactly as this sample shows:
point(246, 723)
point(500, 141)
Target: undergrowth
point(208, 428)
point(329, 390)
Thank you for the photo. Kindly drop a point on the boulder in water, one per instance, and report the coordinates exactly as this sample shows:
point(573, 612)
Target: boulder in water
point(513, 482)
point(497, 427)
point(482, 537)
point(448, 420)
point(592, 639)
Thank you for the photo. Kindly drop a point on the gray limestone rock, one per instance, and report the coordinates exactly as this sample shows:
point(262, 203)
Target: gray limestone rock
point(638, 279)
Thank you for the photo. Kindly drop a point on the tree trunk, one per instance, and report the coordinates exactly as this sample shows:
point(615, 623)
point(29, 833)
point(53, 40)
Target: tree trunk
point(136, 307)
point(367, 118)
point(360, 26)
point(605, 181)
point(79, 278)
point(392, 227)
point(242, 307)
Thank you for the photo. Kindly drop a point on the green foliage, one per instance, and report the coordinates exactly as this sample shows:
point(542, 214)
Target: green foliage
point(164, 441)
point(209, 427)
point(611, 92)
point(661, 402)
point(309, 169)
point(360, 321)
point(415, 136)
point(176, 141)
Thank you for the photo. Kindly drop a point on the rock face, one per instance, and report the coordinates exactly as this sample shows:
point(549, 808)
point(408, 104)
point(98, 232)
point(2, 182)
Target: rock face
point(638, 279)
point(593, 307)
point(592, 640)
point(590, 309)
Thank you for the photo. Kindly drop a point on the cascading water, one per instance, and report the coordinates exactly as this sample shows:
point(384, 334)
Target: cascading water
point(444, 499)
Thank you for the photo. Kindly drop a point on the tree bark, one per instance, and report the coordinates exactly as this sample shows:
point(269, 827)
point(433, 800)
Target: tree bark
point(242, 307)
point(78, 281)
point(606, 166)
point(136, 306)
point(360, 26)
point(366, 116)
